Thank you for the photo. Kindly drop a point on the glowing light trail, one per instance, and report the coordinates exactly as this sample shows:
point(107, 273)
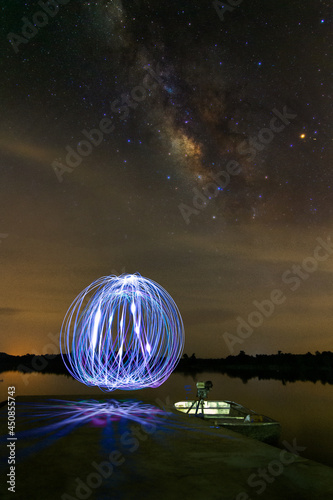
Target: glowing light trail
point(122, 332)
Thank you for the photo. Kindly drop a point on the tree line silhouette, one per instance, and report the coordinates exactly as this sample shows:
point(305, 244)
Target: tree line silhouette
point(281, 366)
point(286, 367)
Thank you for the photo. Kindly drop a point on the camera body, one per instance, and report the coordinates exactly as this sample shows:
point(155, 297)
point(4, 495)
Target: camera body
point(203, 389)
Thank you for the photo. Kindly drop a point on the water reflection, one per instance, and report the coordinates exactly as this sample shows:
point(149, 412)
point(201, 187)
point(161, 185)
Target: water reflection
point(116, 420)
point(96, 413)
point(57, 418)
point(304, 409)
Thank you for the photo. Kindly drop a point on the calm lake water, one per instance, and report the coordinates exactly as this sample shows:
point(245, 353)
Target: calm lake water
point(304, 409)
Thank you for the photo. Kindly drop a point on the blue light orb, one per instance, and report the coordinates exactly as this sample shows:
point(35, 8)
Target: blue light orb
point(122, 332)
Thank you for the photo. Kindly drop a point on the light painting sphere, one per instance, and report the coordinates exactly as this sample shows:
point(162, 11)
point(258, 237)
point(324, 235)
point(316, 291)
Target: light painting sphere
point(122, 332)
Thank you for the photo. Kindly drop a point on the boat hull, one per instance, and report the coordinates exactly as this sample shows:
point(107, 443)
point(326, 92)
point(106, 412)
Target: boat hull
point(235, 417)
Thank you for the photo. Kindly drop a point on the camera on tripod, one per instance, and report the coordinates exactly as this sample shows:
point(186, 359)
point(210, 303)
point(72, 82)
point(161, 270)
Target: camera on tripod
point(203, 389)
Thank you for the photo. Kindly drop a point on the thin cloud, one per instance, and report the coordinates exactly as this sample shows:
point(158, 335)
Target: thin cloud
point(9, 311)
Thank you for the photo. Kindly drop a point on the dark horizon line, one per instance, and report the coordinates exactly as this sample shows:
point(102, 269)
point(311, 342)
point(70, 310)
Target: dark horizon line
point(186, 356)
point(286, 367)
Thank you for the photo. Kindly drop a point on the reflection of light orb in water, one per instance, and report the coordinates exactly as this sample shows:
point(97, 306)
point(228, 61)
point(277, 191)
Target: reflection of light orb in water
point(122, 332)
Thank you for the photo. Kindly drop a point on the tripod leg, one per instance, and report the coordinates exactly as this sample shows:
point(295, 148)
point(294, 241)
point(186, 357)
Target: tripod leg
point(188, 411)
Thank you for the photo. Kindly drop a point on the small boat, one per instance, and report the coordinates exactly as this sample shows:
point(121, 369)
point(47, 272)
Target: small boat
point(233, 416)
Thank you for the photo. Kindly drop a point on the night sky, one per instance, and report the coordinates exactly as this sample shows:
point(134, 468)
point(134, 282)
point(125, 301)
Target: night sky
point(210, 170)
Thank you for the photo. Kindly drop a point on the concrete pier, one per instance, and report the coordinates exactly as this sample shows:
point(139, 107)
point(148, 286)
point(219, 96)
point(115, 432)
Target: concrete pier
point(89, 453)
